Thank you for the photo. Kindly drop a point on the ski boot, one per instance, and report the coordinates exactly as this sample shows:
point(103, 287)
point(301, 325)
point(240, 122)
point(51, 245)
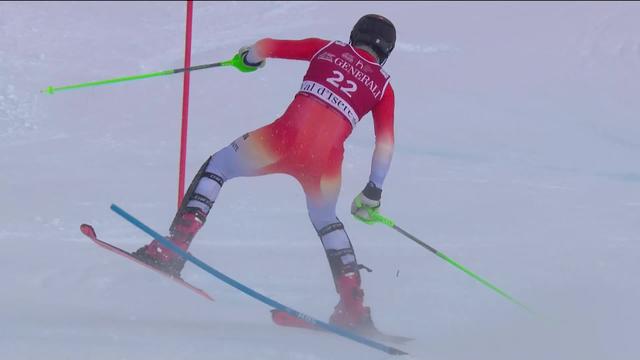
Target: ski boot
point(182, 232)
point(350, 313)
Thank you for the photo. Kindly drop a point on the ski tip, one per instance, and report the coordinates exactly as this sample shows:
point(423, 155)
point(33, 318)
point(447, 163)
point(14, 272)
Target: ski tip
point(88, 230)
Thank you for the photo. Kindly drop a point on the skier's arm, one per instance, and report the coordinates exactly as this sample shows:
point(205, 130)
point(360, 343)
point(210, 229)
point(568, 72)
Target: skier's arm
point(284, 49)
point(368, 200)
point(383, 126)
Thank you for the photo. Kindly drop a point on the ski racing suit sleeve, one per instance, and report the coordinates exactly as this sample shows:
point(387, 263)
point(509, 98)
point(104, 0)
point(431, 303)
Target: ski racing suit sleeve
point(383, 127)
point(285, 49)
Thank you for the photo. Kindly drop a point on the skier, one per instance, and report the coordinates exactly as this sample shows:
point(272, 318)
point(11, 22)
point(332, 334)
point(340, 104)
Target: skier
point(342, 84)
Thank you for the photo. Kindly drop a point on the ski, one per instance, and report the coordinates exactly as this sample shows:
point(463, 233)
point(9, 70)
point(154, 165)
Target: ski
point(91, 234)
point(254, 294)
point(282, 318)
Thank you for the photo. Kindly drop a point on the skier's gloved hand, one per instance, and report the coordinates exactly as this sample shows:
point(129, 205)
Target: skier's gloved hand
point(367, 203)
point(246, 60)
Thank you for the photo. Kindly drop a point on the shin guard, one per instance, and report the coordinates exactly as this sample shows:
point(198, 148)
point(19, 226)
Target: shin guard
point(341, 261)
point(195, 202)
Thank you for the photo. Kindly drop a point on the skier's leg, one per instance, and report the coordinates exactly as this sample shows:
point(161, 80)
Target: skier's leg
point(322, 197)
point(334, 238)
point(246, 156)
point(240, 158)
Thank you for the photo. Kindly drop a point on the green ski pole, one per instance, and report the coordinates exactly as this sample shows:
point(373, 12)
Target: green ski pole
point(378, 218)
point(51, 89)
point(235, 62)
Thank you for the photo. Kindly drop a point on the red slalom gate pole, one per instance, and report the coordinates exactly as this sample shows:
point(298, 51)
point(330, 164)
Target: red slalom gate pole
point(185, 102)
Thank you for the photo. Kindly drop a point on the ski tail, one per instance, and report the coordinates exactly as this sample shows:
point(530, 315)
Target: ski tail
point(283, 319)
point(254, 294)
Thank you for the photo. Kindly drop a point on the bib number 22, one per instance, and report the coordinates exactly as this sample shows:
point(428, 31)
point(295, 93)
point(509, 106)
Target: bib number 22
point(338, 79)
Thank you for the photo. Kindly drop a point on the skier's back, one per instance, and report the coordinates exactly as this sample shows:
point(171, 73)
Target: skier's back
point(342, 84)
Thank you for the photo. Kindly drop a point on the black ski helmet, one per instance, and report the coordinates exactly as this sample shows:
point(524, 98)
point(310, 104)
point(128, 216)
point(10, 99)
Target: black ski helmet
point(376, 32)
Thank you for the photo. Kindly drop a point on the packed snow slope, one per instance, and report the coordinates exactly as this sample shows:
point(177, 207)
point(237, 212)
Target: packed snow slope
point(517, 154)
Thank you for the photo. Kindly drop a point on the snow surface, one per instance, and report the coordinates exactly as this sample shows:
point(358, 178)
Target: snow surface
point(518, 147)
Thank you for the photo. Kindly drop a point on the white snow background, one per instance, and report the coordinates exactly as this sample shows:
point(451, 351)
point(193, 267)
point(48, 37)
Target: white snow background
point(517, 154)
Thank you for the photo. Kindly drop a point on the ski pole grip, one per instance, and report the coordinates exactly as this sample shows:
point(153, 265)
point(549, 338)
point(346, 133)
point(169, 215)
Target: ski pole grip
point(383, 220)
